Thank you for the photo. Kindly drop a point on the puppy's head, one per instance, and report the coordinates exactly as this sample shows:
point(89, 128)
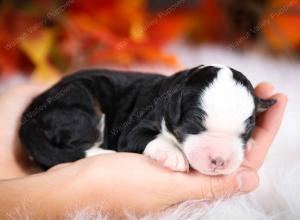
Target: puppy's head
point(216, 119)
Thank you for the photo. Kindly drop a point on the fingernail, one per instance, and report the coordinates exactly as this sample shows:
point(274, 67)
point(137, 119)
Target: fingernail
point(247, 181)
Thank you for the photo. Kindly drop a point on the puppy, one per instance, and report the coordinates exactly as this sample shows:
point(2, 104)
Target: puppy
point(201, 117)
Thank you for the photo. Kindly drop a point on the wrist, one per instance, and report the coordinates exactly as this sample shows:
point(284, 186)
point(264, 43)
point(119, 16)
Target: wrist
point(40, 196)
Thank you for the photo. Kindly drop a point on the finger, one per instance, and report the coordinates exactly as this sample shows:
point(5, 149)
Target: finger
point(31, 89)
point(203, 187)
point(264, 90)
point(38, 88)
point(267, 126)
point(24, 93)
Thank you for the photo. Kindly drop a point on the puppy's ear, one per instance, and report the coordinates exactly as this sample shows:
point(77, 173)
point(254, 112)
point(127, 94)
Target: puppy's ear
point(174, 109)
point(263, 104)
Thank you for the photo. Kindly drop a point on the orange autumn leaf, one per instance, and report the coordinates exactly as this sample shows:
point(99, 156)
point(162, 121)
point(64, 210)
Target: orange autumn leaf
point(37, 48)
point(282, 26)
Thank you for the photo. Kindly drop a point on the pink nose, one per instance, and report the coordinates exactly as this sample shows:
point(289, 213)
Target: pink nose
point(217, 162)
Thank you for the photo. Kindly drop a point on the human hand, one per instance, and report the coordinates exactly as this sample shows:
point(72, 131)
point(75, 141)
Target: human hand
point(136, 183)
point(13, 162)
point(140, 186)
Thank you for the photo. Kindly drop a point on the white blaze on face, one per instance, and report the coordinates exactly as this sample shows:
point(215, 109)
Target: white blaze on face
point(227, 105)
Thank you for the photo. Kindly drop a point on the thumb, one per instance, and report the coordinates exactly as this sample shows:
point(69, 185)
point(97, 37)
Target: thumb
point(198, 186)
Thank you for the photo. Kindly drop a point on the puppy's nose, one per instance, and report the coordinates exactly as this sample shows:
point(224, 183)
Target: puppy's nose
point(218, 162)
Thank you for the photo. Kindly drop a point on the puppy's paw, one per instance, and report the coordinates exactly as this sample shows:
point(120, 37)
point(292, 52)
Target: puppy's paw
point(176, 161)
point(167, 154)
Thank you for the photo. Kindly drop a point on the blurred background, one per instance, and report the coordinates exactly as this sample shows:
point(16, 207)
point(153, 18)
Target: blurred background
point(42, 40)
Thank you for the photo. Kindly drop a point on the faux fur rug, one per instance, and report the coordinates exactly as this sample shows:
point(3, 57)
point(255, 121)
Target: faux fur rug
point(278, 196)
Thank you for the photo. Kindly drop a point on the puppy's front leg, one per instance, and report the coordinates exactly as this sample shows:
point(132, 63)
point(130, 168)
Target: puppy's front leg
point(166, 152)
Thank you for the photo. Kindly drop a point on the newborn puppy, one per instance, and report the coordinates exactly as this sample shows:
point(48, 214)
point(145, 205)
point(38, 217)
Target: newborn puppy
point(201, 117)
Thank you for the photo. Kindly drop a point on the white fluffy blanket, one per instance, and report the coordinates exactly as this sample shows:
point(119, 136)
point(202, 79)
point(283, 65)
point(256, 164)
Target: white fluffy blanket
point(278, 196)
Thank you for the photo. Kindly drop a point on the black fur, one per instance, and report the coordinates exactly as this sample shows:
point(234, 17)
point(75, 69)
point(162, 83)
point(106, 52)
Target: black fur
point(60, 124)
